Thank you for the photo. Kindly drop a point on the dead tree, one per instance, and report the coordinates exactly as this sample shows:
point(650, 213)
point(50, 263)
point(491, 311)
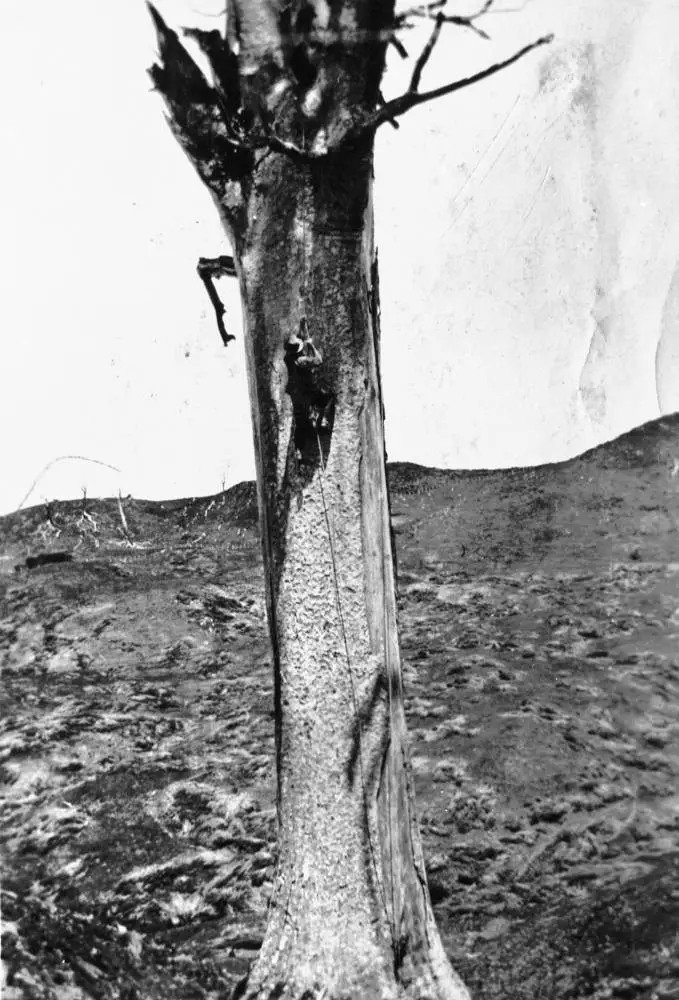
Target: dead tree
point(283, 135)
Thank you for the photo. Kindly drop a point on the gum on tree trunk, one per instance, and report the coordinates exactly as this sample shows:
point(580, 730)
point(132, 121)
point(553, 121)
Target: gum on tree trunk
point(283, 138)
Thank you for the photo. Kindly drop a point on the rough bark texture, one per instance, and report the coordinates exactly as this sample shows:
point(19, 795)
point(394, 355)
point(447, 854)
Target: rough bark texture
point(351, 910)
point(351, 915)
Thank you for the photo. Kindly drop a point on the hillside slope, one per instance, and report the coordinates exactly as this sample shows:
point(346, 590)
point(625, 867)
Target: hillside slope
point(539, 616)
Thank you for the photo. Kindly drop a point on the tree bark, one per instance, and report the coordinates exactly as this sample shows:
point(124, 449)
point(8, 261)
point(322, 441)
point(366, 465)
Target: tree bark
point(351, 912)
point(350, 915)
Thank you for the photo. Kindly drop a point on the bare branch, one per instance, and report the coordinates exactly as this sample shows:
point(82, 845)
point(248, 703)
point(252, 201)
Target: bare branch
point(484, 10)
point(426, 52)
point(208, 269)
point(399, 106)
point(436, 6)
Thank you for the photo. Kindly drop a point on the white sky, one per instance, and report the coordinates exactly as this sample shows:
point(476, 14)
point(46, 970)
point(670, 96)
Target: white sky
point(528, 232)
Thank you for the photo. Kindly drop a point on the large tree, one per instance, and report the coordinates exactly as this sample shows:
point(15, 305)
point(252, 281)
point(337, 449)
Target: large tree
point(283, 136)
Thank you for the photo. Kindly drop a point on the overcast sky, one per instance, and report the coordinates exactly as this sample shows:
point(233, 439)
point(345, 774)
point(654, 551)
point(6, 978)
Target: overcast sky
point(528, 232)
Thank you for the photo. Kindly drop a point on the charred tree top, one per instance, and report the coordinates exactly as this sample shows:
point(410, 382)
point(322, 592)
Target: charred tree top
point(295, 77)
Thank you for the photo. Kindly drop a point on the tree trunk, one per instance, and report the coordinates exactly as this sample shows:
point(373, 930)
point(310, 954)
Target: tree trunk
point(350, 915)
point(351, 912)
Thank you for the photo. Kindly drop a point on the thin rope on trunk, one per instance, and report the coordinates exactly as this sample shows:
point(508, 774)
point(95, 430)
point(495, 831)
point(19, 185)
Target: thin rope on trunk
point(392, 921)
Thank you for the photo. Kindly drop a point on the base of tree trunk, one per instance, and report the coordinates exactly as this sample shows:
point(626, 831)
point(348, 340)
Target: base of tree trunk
point(279, 979)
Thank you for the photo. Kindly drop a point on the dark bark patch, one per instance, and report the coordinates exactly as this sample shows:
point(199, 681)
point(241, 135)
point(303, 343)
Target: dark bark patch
point(303, 59)
point(302, 67)
point(45, 558)
point(340, 189)
point(313, 401)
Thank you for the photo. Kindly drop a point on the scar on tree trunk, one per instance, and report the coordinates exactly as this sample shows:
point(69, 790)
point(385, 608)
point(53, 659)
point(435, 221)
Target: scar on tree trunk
point(283, 137)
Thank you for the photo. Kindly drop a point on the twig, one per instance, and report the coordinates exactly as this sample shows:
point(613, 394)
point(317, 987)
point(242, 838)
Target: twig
point(467, 22)
point(422, 10)
point(208, 269)
point(424, 55)
point(429, 9)
point(123, 519)
point(399, 46)
point(462, 21)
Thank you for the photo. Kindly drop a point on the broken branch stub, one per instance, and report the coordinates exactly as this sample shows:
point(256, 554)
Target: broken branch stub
point(208, 269)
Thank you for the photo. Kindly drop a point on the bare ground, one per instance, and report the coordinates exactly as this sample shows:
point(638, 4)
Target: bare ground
point(539, 613)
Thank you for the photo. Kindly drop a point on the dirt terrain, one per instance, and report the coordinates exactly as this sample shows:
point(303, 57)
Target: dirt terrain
point(539, 613)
